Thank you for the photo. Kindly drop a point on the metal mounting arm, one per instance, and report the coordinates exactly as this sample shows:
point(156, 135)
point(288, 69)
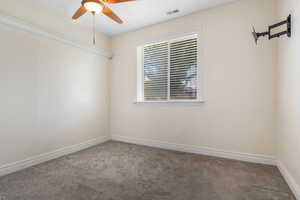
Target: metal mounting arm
point(288, 32)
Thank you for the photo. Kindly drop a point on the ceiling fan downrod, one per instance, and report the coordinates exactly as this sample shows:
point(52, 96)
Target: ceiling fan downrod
point(94, 29)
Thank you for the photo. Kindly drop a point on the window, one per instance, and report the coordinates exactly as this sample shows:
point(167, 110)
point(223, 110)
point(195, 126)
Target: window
point(168, 71)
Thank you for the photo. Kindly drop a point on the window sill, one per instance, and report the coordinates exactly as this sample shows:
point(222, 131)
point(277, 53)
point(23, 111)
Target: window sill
point(171, 102)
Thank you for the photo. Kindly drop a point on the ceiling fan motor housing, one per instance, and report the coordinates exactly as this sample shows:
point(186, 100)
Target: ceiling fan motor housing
point(87, 1)
point(93, 6)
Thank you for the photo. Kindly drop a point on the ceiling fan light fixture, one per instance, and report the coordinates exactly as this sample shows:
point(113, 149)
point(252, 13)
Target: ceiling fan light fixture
point(93, 6)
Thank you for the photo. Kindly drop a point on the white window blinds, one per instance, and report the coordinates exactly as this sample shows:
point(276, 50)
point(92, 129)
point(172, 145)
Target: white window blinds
point(170, 70)
point(183, 69)
point(156, 72)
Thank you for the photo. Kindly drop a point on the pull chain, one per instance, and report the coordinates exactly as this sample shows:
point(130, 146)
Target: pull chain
point(94, 29)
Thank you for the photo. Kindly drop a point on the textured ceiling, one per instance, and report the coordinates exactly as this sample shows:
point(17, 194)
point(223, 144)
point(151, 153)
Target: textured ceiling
point(136, 14)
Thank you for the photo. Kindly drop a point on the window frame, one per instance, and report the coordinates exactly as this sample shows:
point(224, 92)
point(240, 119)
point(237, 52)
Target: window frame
point(140, 71)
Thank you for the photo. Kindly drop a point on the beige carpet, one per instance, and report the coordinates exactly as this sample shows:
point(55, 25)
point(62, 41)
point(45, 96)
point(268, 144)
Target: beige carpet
point(119, 171)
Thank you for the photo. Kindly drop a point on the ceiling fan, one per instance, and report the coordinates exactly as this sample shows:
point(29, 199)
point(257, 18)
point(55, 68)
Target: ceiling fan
point(96, 7)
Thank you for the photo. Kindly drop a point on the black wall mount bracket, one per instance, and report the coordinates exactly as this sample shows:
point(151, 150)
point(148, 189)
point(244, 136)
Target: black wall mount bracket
point(287, 32)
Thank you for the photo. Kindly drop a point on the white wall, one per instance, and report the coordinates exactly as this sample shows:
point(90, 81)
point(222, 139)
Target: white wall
point(51, 95)
point(239, 83)
point(289, 93)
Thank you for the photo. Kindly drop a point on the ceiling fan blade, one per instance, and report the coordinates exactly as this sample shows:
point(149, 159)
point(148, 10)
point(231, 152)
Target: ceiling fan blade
point(116, 1)
point(81, 11)
point(109, 13)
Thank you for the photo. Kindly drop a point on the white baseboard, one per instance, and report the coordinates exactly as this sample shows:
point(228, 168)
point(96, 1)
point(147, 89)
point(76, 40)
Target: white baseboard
point(261, 159)
point(19, 165)
point(289, 179)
